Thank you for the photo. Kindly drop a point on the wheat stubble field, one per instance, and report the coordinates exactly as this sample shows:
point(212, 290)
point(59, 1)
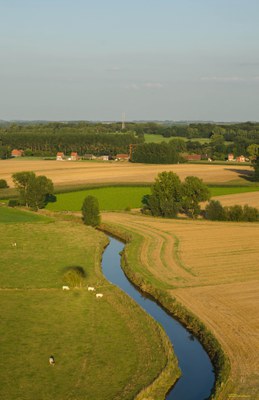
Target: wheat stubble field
point(212, 268)
point(75, 173)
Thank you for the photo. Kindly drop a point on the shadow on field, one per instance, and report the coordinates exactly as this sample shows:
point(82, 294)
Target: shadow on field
point(246, 174)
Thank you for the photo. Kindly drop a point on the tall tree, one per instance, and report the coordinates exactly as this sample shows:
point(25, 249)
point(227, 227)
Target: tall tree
point(165, 198)
point(34, 190)
point(193, 191)
point(90, 211)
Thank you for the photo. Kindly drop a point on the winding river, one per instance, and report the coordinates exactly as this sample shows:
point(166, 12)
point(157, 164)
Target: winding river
point(197, 379)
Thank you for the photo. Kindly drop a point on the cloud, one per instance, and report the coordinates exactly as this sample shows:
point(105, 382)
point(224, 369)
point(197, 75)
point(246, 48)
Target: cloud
point(114, 68)
point(153, 85)
point(131, 86)
point(229, 79)
point(147, 85)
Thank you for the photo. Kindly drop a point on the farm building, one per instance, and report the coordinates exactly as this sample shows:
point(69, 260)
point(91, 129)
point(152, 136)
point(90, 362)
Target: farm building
point(231, 157)
point(17, 153)
point(89, 157)
point(193, 157)
point(122, 157)
point(74, 156)
point(60, 156)
point(240, 159)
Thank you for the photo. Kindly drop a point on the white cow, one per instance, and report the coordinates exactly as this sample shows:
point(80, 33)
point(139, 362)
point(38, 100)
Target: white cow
point(99, 295)
point(91, 289)
point(65, 288)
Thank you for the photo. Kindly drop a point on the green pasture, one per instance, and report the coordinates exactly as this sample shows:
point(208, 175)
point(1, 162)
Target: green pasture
point(150, 138)
point(104, 349)
point(125, 197)
point(224, 190)
point(110, 198)
point(11, 215)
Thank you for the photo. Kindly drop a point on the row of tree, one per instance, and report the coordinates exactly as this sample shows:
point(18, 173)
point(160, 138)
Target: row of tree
point(48, 144)
point(214, 211)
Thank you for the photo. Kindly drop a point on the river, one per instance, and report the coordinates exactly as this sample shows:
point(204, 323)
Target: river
point(197, 379)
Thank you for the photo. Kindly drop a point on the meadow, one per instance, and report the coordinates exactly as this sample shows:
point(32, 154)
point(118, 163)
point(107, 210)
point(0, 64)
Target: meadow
point(212, 269)
point(129, 197)
point(100, 347)
point(150, 138)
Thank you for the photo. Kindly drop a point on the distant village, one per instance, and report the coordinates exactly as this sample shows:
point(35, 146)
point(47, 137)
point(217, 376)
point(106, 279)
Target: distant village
point(60, 156)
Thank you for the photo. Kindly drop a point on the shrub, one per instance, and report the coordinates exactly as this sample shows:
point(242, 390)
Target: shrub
point(234, 213)
point(214, 211)
point(250, 214)
point(13, 203)
point(74, 276)
point(3, 184)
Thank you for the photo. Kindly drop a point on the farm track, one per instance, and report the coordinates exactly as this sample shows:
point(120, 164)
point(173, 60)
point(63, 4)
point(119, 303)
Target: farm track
point(67, 172)
point(224, 291)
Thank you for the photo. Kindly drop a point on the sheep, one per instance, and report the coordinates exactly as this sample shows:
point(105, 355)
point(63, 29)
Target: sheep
point(99, 295)
point(65, 287)
point(51, 360)
point(14, 244)
point(91, 289)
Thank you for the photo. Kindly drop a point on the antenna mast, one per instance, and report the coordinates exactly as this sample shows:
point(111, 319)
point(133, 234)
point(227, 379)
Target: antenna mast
point(123, 120)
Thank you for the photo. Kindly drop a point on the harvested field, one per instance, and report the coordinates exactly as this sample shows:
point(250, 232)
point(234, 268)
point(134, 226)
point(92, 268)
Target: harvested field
point(212, 268)
point(76, 173)
point(251, 198)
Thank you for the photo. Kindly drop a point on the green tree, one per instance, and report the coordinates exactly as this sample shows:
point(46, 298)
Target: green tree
point(214, 211)
point(90, 211)
point(3, 184)
point(256, 168)
point(34, 191)
point(165, 198)
point(193, 192)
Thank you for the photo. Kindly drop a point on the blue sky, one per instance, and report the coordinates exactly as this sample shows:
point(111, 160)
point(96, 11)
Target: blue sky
point(93, 60)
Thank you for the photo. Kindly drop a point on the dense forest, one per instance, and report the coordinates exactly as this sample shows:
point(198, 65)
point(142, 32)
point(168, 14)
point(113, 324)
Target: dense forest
point(211, 140)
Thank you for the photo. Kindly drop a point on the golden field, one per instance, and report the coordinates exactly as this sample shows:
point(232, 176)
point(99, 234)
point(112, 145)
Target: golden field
point(76, 173)
point(250, 198)
point(212, 268)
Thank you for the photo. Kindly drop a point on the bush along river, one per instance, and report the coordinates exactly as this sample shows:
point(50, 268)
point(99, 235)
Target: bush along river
point(197, 379)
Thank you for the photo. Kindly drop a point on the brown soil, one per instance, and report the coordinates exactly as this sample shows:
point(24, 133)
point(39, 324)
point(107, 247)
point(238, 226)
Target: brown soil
point(214, 271)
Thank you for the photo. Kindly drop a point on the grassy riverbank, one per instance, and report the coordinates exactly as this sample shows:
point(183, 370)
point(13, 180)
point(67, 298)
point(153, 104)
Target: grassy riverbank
point(107, 348)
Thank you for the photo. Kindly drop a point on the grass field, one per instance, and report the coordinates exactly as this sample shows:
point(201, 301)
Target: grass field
point(100, 347)
point(13, 215)
point(149, 138)
point(212, 269)
point(123, 197)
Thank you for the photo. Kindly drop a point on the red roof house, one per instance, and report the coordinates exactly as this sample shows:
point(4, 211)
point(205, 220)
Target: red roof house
point(74, 156)
point(17, 153)
point(193, 157)
point(60, 156)
point(122, 157)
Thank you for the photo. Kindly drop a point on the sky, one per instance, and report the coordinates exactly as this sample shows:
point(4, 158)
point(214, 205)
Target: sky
point(150, 59)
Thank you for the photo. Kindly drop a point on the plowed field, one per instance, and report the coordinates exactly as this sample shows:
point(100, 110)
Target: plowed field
point(69, 172)
point(213, 269)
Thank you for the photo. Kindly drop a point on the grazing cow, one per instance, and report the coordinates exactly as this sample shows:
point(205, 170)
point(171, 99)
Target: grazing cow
point(51, 360)
point(91, 289)
point(65, 287)
point(99, 295)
